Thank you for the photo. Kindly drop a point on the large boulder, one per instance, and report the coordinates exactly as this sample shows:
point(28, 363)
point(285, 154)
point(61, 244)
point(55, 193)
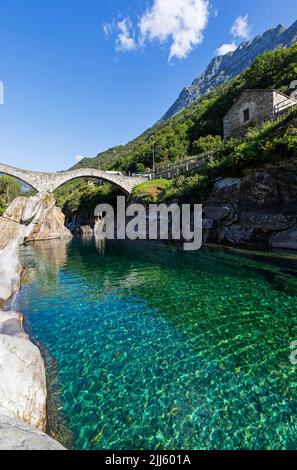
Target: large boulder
point(10, 271)
point(49, 226)
point(33, 210)
point(286, 239)
point(32, 219)
point(15, 209)
point(22, 374)
point(10, 230)
point(15, 435)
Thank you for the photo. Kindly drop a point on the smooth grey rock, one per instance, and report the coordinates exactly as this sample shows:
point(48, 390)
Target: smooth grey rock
point(22, 376)
point(11, 324)
point(216, 212)
point(15, 435)
point(227, 183)
point(10, 271)
point(32, 210)
point(235, 235)
point(15, 210)
point(207, 224)
point(286, 239)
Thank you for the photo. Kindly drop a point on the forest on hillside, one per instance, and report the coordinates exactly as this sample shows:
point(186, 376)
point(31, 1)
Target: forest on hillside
point(200, 127)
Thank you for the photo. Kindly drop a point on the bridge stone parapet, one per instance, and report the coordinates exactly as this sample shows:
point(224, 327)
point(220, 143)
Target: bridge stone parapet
point(49, 182)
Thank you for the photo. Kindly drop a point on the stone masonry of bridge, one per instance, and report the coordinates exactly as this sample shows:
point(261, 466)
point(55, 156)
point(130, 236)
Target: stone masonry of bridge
point(49, 182)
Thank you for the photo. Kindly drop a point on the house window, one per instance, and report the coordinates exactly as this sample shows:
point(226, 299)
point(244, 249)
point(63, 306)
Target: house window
point(246, 115)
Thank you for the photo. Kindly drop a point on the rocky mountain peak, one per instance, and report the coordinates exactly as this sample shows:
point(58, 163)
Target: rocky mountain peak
point(223, 68)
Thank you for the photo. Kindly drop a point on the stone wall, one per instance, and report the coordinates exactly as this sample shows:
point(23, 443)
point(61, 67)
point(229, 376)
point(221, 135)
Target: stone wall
point(259, 102)
point(263, 105)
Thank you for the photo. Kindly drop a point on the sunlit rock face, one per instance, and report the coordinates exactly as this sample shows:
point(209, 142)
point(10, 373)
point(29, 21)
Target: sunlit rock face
point(49, 226)
point(10, 271)
point(22, 372)
point(15, 435)
point(32, 219)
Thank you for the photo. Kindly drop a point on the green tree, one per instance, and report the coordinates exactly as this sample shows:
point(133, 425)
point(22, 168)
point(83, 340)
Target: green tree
point(206, 144)
point(9, 190)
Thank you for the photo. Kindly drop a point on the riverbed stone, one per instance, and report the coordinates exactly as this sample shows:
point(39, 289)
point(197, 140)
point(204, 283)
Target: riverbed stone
point(15, 435)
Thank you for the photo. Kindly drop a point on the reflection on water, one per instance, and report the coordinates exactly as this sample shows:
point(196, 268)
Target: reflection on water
point(162, 349)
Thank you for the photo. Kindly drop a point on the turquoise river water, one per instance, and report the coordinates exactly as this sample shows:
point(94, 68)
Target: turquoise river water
point(162, 349)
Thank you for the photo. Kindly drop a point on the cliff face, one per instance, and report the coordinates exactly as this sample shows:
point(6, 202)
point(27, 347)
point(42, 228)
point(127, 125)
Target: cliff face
point(223, 68)
point(255, 211)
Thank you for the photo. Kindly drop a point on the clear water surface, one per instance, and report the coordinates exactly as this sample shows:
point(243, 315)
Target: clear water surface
point(162, 349)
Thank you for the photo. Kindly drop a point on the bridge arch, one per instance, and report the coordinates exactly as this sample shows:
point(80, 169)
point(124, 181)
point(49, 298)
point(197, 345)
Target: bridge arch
point(49, 182)
point(14, 173)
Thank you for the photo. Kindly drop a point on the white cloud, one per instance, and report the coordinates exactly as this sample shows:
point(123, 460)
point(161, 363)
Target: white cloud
point(241, 28)
point(225, 48)
point(107, 29)
point(125, 40)
point(78, 158)
point(181, 21)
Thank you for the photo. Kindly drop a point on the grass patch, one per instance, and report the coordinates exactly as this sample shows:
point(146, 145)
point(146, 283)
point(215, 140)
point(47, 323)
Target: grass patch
point(151, 190)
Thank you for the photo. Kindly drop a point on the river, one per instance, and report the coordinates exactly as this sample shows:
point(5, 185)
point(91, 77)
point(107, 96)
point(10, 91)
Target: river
point(163, 349)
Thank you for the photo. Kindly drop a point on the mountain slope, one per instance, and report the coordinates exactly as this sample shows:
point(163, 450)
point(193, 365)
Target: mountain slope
point(223, 68)
point(184, 134)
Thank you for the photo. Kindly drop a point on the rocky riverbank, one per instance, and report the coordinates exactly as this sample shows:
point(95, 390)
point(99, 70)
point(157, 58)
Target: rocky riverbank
point(257, 210)
point(23, 392)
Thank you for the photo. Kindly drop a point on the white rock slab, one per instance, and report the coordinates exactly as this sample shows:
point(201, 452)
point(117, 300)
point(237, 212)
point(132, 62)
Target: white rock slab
point(15, 435)
point(22, 374)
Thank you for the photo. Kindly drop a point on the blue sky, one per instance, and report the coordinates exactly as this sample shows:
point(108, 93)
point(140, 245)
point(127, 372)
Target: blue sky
point(81, 76)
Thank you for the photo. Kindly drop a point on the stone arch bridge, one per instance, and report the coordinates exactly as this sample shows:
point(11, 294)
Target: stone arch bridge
point(49, 182)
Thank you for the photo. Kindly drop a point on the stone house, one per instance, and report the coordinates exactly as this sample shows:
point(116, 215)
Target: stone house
point(252, 109)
